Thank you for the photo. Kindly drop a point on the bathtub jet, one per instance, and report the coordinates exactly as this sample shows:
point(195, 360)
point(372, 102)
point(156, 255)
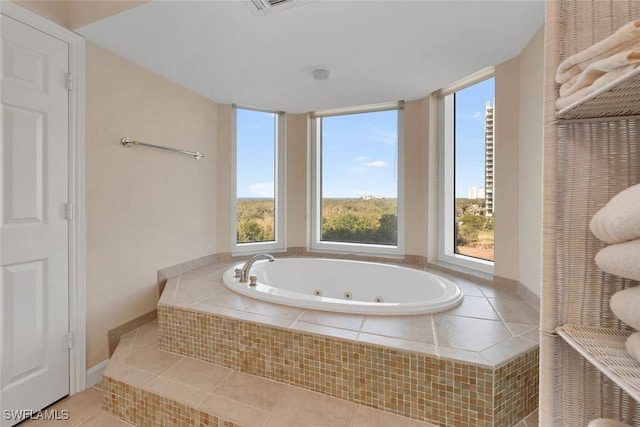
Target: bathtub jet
point(345, 286)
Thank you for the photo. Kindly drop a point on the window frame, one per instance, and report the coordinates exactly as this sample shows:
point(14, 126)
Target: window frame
point(279, 242)
point(446, 139)
point(315, 170)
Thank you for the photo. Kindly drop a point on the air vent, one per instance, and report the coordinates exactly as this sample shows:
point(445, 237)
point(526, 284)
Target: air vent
point(262, 7)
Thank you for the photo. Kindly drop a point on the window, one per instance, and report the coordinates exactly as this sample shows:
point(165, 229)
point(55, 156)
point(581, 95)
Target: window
point(258, 184)
point(468, 197)
point(357, 187)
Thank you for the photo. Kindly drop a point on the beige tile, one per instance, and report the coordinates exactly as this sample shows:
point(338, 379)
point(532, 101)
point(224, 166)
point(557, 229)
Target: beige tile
point(75, 409)
point(497, 292)
point(472, 306)
point(197, 290)
point(414, 328)
point(251, 390)
point(275, 310)
point(232, 410)
point(127, 374)
point(390, 342)
point(102, 419)
point(151, 359)
point(533, 335)
point(196, 373)
point(518, 329)
point(369, 417)
point(507, 350)
point(324, 330)
point(465, 356)
point(313, 409)
point(515, 311)
point(122, 350)
point(229, 299)
point(468, 333)
point(175, 391)
point(145, 335)
point(265, 320)
point(468, 288)
point(336, 320)
point(209, 306)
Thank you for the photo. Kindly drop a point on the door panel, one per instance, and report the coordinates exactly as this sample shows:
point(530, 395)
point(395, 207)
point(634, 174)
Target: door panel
point(34, 232)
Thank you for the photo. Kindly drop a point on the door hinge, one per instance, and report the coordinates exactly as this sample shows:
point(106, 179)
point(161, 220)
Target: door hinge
point(69, 81)
point(69, 211)
point(70, 340)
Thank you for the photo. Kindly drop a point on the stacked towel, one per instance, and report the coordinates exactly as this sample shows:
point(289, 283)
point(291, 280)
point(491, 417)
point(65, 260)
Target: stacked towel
point(605, 422)
point(593, 68)
point(621, 260)
point(633, 346)
point(619, 220)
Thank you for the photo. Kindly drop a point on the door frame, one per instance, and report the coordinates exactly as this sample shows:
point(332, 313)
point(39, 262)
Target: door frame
point(77, 226)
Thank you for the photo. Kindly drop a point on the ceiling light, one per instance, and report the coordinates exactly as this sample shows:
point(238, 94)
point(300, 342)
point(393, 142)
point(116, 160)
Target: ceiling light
point(321, 74)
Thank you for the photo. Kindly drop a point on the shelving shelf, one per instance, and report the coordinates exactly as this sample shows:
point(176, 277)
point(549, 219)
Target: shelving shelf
point(605, 349)
point(620, 97)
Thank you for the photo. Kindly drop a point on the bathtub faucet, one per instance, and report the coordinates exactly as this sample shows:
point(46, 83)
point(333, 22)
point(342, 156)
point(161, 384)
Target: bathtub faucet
point(244, 273)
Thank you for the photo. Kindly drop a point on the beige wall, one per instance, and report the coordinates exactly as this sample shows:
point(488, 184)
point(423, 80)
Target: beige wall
point(416, 176)
point(146, 209)
point(223, 173)
point(530, 161)
point(506, 125)
point(296, 180)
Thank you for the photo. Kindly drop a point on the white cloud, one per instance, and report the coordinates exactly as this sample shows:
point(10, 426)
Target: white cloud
point(262, 189)
point(477, 114)
point(375, 164)
point(360, 159)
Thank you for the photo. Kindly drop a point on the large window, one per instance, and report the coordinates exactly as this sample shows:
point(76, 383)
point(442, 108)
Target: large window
point(468, 175)
point(357, 187)
point(258, 207)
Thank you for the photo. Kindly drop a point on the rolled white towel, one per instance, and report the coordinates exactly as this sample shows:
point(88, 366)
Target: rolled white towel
point(626, 306)
point(622, 259)
point(619, 220)
point(606, 422)
point(633, 346)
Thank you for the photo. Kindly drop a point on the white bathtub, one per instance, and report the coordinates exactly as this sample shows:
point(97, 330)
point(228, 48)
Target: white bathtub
point(348, 286)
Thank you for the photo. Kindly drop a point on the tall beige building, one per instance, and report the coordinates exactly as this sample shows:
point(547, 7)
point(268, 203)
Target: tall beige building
point(488, 158)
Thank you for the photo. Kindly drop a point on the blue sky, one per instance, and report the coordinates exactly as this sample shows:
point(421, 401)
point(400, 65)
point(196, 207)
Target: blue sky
point(359, 151)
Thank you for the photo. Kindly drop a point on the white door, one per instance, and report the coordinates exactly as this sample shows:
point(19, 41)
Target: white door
point(34, 231)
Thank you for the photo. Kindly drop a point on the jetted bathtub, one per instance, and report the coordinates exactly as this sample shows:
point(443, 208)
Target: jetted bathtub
point(347, 286)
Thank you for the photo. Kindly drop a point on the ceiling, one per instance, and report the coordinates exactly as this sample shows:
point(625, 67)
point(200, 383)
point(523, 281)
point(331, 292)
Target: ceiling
point(376, 51)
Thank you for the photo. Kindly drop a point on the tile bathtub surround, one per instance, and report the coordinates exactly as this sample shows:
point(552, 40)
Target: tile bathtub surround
point(473, 365)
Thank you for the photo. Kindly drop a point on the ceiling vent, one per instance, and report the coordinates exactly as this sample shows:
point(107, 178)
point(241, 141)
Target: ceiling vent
point(263, 7)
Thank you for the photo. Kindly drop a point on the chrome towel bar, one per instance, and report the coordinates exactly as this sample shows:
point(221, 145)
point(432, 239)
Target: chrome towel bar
point(128, 142)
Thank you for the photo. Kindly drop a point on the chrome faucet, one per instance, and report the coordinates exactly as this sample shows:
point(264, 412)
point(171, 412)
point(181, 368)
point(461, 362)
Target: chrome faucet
point(244, 272)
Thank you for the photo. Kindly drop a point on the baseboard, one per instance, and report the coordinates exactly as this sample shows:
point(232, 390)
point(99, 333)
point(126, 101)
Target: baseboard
point(94, 374)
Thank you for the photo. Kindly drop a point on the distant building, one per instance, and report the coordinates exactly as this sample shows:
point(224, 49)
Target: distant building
point(488, 158)
point(476, 193)
point(372, 197)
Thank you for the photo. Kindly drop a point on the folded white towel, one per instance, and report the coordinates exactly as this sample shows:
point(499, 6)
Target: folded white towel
point(622, 259)
point(625, 38)
point(606, 78)
point(619, 220)
point(605, 422)
point(597, 69)
point(633, 346)
point(626, 306)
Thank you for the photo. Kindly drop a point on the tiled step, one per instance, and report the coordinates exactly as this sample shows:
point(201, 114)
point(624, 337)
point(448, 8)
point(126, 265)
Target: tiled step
point(146, 386)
